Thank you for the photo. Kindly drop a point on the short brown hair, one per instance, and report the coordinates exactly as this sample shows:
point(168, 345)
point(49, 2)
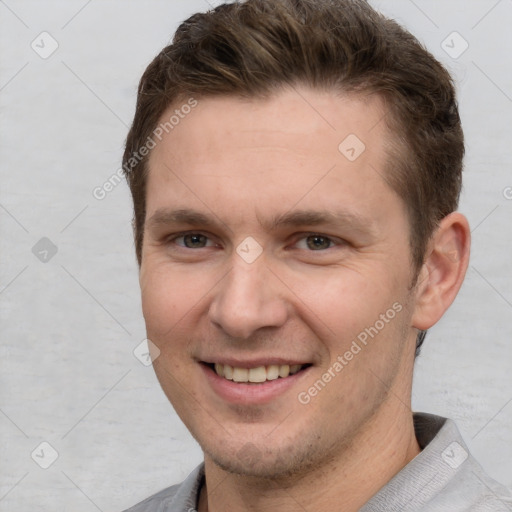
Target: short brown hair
point(256, 47)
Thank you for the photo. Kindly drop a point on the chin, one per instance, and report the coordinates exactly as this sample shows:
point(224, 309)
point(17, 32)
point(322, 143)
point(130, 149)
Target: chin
point(266, 462)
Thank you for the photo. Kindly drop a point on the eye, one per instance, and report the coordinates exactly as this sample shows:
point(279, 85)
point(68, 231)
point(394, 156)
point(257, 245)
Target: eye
point(315, 242)
point(192, 241)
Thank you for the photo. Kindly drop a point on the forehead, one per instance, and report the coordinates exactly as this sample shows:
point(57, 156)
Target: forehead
point(292, 116)
point(298, 145)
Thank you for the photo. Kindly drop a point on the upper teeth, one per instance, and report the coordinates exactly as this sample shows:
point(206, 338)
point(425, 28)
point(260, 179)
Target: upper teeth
point(259, 374)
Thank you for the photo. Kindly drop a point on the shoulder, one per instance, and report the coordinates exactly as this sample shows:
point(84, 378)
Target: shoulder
point(465, 486)
point(472, 490)
point(157, 502)
point(444, 477)
point(458, 482)
point(176, 498)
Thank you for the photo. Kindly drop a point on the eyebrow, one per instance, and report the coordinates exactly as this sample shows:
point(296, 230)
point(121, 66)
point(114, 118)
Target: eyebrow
point(166, 217)
point(319, 217)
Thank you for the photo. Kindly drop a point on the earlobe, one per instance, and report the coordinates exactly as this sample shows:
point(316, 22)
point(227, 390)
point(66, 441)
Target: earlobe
point(443, 271)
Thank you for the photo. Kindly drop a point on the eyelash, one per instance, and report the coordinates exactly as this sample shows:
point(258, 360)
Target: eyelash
point(173, 238)
point(334, 242)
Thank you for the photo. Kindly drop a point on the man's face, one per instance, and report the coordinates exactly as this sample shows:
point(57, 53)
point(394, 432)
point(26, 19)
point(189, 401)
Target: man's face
point(268, 244)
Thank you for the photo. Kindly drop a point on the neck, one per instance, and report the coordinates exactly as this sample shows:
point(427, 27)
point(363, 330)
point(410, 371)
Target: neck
point(353, 475)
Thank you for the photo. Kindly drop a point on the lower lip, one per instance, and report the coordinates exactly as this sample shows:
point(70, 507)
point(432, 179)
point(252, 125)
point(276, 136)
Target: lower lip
point(254, 394)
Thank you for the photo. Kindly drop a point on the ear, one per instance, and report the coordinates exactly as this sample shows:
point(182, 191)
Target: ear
point(443, 271)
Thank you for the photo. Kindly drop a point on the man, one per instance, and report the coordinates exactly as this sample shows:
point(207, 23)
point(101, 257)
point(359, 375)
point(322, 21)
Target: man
point(295, 167)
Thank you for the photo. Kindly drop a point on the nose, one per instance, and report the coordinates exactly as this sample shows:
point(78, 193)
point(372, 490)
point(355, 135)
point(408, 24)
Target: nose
point(248, 299)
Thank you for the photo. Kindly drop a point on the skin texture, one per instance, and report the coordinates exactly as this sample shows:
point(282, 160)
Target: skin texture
point(243, 164)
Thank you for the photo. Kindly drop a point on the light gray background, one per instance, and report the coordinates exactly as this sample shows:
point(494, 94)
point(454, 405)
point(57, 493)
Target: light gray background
point(70, 325)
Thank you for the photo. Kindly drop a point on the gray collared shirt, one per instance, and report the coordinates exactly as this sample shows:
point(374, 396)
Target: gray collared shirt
point(444, 477)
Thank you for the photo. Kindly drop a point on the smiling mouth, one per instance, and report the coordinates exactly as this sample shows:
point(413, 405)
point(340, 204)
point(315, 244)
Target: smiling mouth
point(256, 375)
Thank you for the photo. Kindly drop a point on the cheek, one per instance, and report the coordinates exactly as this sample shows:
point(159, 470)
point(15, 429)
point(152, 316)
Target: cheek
point(165, 299)
point(345, 301)
point(174, 297)
point(166, 306)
